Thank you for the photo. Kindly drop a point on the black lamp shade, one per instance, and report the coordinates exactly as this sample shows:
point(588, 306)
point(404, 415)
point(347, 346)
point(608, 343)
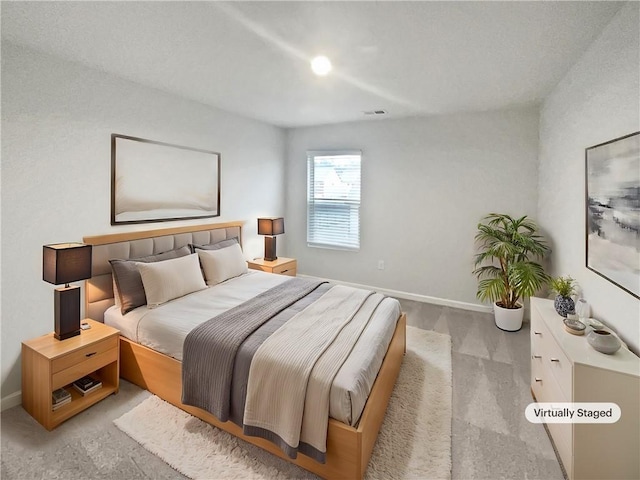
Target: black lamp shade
point(270, 226)
point(66, 262)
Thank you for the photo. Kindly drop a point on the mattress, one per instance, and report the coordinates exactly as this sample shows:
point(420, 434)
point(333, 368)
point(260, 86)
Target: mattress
point(164, 329)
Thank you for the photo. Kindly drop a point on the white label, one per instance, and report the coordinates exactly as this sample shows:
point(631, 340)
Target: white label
point(572, 412)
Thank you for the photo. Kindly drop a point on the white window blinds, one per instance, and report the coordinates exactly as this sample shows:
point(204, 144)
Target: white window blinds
point(333, 199)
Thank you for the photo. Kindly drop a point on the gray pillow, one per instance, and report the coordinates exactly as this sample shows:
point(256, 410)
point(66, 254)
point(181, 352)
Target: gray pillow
point(215, 246)
point(129, 282)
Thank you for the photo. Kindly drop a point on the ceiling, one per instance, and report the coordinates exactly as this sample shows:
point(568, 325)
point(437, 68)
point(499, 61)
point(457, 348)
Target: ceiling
point(252, 58)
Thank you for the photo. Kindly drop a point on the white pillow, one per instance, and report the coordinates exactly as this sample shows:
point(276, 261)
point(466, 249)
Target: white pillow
point(223, 264)
point(169, 279)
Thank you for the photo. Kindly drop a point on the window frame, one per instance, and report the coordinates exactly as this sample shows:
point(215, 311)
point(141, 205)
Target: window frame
point(311, 155)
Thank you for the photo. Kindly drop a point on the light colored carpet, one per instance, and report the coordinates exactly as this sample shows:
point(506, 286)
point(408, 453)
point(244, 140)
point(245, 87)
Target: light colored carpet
point(414, 441)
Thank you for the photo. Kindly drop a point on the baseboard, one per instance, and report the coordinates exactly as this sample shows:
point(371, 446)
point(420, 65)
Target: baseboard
point(413, 296)
point(11, 401)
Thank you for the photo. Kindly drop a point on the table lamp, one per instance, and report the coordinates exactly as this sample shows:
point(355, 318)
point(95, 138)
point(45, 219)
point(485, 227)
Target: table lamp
point(63, 263)
point(270, 227)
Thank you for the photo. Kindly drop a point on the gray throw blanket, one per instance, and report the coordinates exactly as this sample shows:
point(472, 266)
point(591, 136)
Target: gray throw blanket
point(289, 387)
point(207, 372)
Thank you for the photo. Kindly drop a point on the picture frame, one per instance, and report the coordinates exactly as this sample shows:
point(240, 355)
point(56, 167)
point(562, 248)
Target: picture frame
point(153, 181)
point(612, 189)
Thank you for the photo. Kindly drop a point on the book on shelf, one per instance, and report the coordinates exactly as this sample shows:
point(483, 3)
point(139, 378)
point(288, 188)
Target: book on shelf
point(87, 384)
point(60, 395)
point(85, 392)
point(56, 406)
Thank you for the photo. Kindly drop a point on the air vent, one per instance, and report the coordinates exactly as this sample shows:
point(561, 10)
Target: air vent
point(375, 112)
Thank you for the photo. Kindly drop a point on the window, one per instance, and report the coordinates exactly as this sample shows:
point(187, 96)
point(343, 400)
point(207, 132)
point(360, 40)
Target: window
point(333, 199)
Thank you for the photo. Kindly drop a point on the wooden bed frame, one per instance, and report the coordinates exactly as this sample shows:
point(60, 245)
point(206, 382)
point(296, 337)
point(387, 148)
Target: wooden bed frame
point(348, 448)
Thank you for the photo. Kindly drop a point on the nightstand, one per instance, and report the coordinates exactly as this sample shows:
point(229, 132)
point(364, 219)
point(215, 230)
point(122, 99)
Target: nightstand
point(282, 265)
point(48, 364)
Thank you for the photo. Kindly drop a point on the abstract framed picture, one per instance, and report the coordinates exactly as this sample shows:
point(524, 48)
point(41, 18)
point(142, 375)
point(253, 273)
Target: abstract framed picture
point(613, 211)
point(156, 182)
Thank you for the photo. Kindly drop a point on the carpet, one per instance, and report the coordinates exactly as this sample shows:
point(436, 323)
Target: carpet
point(414, 441)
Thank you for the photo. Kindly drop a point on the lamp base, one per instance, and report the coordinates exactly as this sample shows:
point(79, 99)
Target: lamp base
point(67, 312)
point(67, 335)
point(270, 249)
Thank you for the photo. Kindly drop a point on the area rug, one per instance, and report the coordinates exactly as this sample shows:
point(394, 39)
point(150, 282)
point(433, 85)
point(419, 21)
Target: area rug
point(414, 441)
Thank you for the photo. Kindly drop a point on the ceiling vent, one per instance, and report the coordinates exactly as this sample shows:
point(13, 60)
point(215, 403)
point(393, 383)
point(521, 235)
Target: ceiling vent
point(375, 112)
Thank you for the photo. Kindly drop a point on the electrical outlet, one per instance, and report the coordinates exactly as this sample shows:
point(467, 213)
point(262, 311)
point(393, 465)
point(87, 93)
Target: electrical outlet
point(380, 264)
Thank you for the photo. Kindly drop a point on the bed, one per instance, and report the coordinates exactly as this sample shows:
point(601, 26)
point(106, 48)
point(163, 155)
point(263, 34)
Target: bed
point(348, 447)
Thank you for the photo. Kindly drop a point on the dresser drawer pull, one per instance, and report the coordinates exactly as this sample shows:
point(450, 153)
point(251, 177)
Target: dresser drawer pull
point(90, 354)
point(284, 271)
point(536, 356)
point(555, 360)
point(538, 379)
point(537, 333)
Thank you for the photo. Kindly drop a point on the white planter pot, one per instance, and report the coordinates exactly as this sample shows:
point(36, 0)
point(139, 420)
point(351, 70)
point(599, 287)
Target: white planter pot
point(509, 319)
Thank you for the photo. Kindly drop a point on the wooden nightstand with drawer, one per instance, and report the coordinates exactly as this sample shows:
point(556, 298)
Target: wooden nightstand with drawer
point(49, 364)
point(282, 265)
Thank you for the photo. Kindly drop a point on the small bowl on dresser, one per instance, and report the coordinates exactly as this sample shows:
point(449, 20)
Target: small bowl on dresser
point(603, 341)
point(573, 326)
point(593, 323)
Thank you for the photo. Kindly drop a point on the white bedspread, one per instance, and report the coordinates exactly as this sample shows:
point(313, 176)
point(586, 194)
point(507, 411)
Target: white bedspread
point(164, 329)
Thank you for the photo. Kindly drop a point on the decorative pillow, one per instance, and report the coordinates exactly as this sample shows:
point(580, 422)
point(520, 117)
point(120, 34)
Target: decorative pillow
point(164, 281)
point(222, 264)
point(116, 293)
point(126, 277)
point(214, 246)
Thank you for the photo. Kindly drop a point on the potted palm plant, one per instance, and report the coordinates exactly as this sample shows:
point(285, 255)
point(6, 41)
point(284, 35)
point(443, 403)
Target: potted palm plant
point(505, 266)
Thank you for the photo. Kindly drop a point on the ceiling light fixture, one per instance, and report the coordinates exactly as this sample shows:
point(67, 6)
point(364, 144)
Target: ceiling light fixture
point(321, 65)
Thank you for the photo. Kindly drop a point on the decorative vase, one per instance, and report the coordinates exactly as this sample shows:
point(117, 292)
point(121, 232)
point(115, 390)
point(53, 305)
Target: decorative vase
point(583, 310)
point(603, 341)
point(564, 306)
point(508, 319)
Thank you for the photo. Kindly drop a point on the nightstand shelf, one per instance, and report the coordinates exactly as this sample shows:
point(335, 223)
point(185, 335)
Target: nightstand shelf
point(282, 265)
point(48, 364)
point(81, 402)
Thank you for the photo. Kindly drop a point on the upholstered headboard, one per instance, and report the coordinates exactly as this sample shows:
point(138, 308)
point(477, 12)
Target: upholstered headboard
point(99, 288)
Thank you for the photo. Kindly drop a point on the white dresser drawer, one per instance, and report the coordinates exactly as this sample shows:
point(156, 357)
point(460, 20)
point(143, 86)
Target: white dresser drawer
point(552, 393)
point(539, 335)
point(565, 449)
point(537, 379)
point(554, 360)
point(546, 389)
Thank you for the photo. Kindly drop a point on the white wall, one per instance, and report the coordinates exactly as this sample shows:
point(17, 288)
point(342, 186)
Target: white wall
point(57, 118)
point(426, 182)
point(597, 101)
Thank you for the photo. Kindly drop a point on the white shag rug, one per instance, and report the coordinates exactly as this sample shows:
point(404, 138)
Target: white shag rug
point(414, 441)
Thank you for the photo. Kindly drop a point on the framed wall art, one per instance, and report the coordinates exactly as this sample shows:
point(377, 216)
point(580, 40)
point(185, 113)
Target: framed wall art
point(156, 182)
point(613, 211)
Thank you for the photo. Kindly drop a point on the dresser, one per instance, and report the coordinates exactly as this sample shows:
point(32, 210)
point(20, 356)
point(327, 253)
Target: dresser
point(565, 368)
